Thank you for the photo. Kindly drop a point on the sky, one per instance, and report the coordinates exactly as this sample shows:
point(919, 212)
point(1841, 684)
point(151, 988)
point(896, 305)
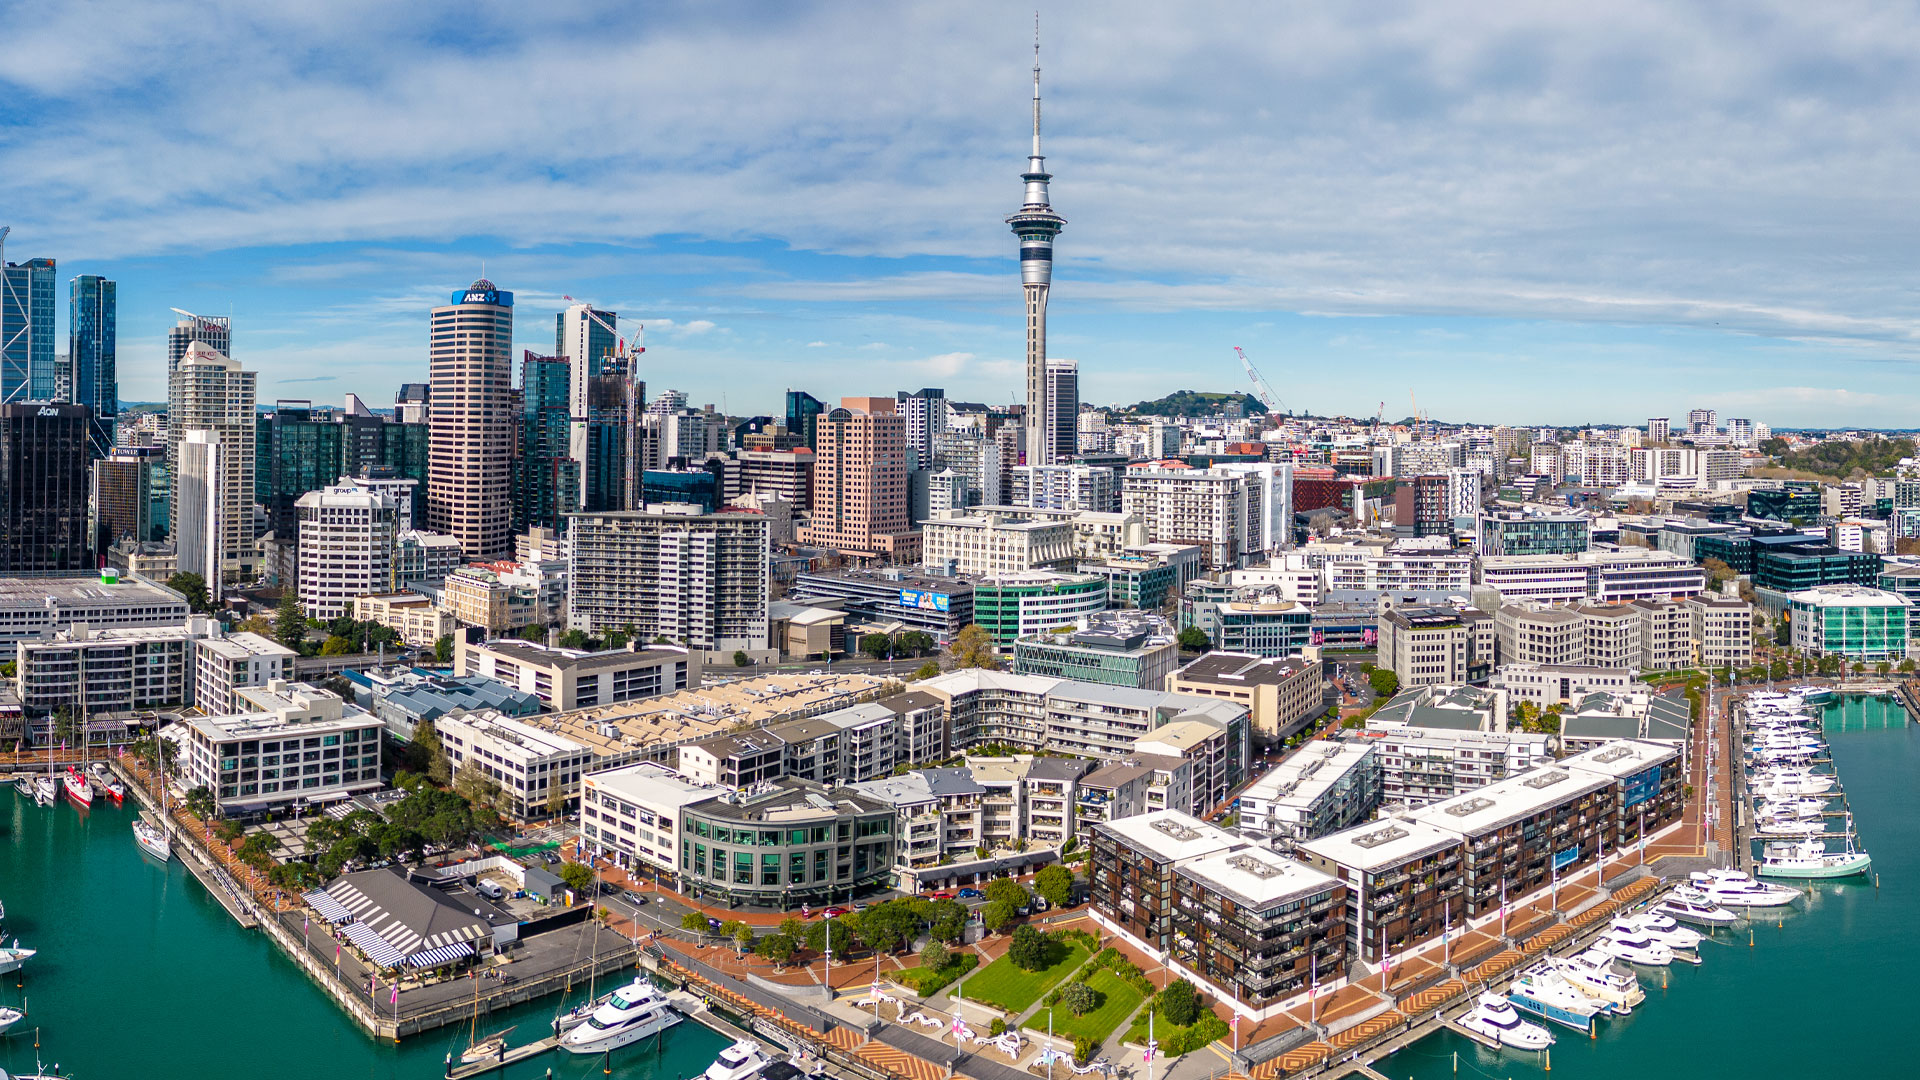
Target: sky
point(1505, 212)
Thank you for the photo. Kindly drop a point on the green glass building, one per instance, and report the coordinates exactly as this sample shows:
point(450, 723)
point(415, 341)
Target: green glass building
point(785, 843)
point(1853, 621)
point(1012, 606)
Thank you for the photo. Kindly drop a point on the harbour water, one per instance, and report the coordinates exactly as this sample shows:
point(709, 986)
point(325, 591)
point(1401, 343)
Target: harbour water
point(1821, 992)
point(140, 973)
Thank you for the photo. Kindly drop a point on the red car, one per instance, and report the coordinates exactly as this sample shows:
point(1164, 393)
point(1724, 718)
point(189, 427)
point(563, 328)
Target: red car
point(944, 894)
point(834, 912)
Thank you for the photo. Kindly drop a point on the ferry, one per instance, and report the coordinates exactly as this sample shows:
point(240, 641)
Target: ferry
point(1543, 992)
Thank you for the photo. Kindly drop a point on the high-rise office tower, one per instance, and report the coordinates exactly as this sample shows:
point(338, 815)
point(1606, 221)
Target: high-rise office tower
point(470, 368)
point(123, 487)
point(196, 511)
point(546, 478)
point(803, 414)
point(27, 366)
point(1036, 224)
point(211, 330)
point(1703, 421)
point(1063, 409)
point(90, 355)
point(297, 449)
point(210, 393)
point(348, 535)
point(925, 412)
point(43, 488)
point(860, 483)
point(585, 338)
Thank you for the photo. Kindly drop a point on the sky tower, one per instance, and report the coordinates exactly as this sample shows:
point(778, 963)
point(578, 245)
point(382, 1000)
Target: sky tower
point(1036, 224)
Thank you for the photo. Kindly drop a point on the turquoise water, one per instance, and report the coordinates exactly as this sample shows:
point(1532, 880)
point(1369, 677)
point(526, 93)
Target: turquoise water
point(1821, 993)
point(140, 973)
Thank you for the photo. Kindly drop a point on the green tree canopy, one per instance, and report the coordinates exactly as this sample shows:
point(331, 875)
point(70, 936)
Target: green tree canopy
point(997, 915)
point(936, 956)
point(194, 588)
point(578, 877)
point(973, 648)
point(1179, 1003)
point(1079, 998)
point(1029, 948)
point(1055, 884)
point(289, 622)
point(1194, 639)
point(1007, 890)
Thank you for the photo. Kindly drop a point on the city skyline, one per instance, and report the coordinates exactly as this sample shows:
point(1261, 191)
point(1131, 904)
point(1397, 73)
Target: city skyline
point(1405, 198)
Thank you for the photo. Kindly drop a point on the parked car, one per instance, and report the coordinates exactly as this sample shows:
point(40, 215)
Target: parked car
point(944, 894)
point(965, 894)
point(638, 900)
point(860, 906)
point(834, 912)
point(713, 924)
point(490, 890)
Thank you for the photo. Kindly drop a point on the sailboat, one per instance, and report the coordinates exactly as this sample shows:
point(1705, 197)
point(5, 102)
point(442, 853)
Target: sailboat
point(479, 1049)
point(152, 835)
point(574, 1017)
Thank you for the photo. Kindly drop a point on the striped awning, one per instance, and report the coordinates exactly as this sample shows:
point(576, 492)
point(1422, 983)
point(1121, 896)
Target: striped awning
point(380, 952)
point(325, 906)
point(445, 954)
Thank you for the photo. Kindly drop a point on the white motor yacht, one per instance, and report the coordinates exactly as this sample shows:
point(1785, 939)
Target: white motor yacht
point(1790, 782)
point(744, 1059)
point(634, 1012)
point(1812, 693)
point(9, 1017)
point(45, 790)
point(1634, 947)
point(1661, 928)
point(1592, 973)
point(1783, 825)
point(152, 839)
point(1694, 906)
point(1494, 1017)
point(1799, 806)
point(1732, 888)
point(12, 956)
point(1542, 991)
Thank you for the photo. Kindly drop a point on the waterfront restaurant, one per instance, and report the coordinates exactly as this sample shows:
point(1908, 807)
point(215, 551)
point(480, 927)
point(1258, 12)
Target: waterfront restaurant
point(785, 843)
point(395, 921)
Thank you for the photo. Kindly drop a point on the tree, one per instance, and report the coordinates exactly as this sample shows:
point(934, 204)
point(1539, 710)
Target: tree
point(935, 957)
point(740, 658)
point(1179, 1003)
point(925, 671)
point(1083, 1049)
point(1882, 668)
point(200, 803)
point(792, 927)
point(916, 643)
point(996, 915)
point(476, 786)
point(1384, 682)
point(1029, 948)
point(443, 649)
point(842, 936)
point(556, 796)
point(1194, 639)
point(1006, 890)
point(694, 922)
point(289, 622)
point(778, 948)
point(194, 588)
point(946, 921)
point(427, 738)
point(1055, 884)
point(973, 648)
point(889, 927)
point(579, 878)
point(1079, 998)
point(743, 935)
point(1718, 571)
point(878, 646)
point(336, 645)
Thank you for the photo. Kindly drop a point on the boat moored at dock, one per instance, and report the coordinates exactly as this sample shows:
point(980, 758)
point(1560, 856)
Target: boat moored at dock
point(1545, 993)
point(1492, 1016)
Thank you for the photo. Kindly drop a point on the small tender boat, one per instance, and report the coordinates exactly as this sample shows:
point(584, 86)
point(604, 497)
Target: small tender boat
point(12, 956)
point(1694, 906)
point(634, 1012)
point(23, 785)
point(1592, 973)
point(1543, 992)
point(1493, 1016)
point(1732, 888)
point(1634, 947)
point(1661, 928)
point(1811, 859)
point(152, 839)
point(745, 1059)
point(78, 787)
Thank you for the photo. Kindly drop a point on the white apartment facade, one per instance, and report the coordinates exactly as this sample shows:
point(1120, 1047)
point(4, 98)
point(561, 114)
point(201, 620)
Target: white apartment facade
point(347, 541)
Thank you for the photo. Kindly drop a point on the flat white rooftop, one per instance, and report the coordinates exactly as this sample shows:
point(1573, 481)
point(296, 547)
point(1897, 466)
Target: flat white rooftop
point(1381, 844)
point(1621, 757)
point(1172, 836)
point(1485, 809)
point(1256, 878)
point(1308, 773)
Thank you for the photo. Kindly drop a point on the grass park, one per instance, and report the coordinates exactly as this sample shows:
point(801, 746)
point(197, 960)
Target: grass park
point(1118, 1000)
point(1005, 986)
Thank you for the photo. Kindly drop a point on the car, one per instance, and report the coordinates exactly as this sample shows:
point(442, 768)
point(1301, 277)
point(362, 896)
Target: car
point(834, 912)
point(860, 906)
point(944, 894)
point(490, 890)
point(967, 894)
point(639, 901)
point(713, 924)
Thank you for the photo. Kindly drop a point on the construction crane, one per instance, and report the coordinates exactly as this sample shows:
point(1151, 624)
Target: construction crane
point(1261, 389)
point(602, 324)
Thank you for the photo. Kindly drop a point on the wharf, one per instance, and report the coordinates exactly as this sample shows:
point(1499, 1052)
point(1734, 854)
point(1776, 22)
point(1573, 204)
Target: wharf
point(691, 1006)
point(510, 1056)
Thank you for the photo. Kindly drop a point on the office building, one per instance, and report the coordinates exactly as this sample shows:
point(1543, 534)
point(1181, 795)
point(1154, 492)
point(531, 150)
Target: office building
point(803, 414)
point(27, 363)
point(785, 474)
point(1858, 623)
point(860, 483)
point(1599, 718)
point(1114, 648)
point(546, 477)
point(123, 496)
point(1540, 534)
point(1425, 646)
point(348, 536)
point(991, 542)
point(213, 398)
point(1063, 411)
point(1283, 695)
point(1015, 605)
point(471, 375)
point(786, 843)
point(699, 581)
point(631, 815)
point(567, 679)
point(1546, 685)
point(91, 355)
point(936, 604)
point(503, 597)
point(925, 413)
point(538, 770)
point(416, 619)
point(213, 331)
point(31, 607)
point(44, 488)
point(257, 760)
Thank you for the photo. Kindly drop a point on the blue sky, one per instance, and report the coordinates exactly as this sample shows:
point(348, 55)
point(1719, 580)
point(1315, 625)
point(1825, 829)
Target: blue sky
point(1578, 214)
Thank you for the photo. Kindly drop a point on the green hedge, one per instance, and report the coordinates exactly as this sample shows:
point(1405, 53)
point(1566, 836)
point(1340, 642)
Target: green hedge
point(1175, 1040)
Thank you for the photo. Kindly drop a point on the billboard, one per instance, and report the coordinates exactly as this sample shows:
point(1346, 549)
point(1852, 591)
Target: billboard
point(923, 600)
point(1562, 858)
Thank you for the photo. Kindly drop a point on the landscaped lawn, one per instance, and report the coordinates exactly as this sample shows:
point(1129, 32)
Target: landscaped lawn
point(1120, 1002)
point(1002, 984)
